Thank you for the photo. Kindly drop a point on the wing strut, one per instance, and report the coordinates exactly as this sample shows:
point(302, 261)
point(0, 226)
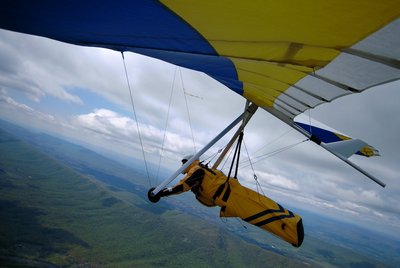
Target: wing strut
point(246, 119)
point(250, 110)
point(339, 155)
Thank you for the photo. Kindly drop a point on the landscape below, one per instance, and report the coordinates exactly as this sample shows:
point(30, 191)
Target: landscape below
point(64, 205)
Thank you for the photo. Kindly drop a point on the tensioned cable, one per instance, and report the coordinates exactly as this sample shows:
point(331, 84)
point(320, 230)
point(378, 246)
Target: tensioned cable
point(187, 109)
point(270, 154)
point(134, 114)
point(309, 112)
point(166, 123)
point(309, 121)
point(274, 140)
point(227, 158)
point(258, 185)
point(212, 156)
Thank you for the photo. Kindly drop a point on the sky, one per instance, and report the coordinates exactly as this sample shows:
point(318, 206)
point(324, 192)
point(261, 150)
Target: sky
point(82, 94)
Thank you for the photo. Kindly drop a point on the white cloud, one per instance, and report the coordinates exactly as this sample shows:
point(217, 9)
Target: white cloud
point(113, 125)
point(278, 181)
point(9, 105)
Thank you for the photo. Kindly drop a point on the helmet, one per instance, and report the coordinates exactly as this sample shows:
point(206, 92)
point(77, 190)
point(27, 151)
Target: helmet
point(186, 158)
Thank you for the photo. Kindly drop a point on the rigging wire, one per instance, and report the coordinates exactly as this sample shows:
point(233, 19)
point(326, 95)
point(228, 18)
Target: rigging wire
point(275, 152)
point(258, 185)
point(309, 112)
point(212, 156)
point(274, 140)
point(269, 143)
point(187, 109)
point(227, 158)
point(136, 120)
point(166, 123)
point(309, 121)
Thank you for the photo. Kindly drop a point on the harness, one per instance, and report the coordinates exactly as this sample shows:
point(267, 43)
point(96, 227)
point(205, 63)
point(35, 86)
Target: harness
point(207, 201)
point(221, 189)
point(225, 186)
point(236, 157)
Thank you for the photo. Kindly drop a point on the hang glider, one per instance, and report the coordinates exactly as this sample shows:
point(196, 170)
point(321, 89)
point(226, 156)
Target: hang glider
point(286, 57)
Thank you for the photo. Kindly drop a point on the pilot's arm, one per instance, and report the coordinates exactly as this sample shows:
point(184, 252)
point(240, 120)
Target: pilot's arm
point(189, 181)
point(193, 178)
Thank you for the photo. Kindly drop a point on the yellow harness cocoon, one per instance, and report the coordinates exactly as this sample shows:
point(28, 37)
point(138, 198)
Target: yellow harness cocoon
point(236, 200)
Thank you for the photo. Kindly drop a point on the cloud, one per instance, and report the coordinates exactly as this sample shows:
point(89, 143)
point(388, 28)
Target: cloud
point(279, 181)
point(112, 125)
point(9, 105)
point(27, 72)
point(105, 121)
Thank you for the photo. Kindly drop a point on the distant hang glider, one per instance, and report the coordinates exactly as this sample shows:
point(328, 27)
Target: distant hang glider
point(286, 57)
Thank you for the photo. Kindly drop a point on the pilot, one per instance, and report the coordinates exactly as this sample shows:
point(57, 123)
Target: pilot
point(213, 188)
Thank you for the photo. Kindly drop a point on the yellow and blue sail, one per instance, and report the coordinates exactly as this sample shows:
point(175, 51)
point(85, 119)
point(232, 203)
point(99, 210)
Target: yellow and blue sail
point(285, 56)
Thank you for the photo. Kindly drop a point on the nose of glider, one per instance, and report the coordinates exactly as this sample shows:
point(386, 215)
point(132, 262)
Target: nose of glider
point(300, 234)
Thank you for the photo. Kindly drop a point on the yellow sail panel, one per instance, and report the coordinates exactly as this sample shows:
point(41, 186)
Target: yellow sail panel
point(286, 73)
point(267, 85)
point(282, 52)
point(367, 151)
point(259, 96)
point(269, 80)
point(305, 34)
point(326, 24)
